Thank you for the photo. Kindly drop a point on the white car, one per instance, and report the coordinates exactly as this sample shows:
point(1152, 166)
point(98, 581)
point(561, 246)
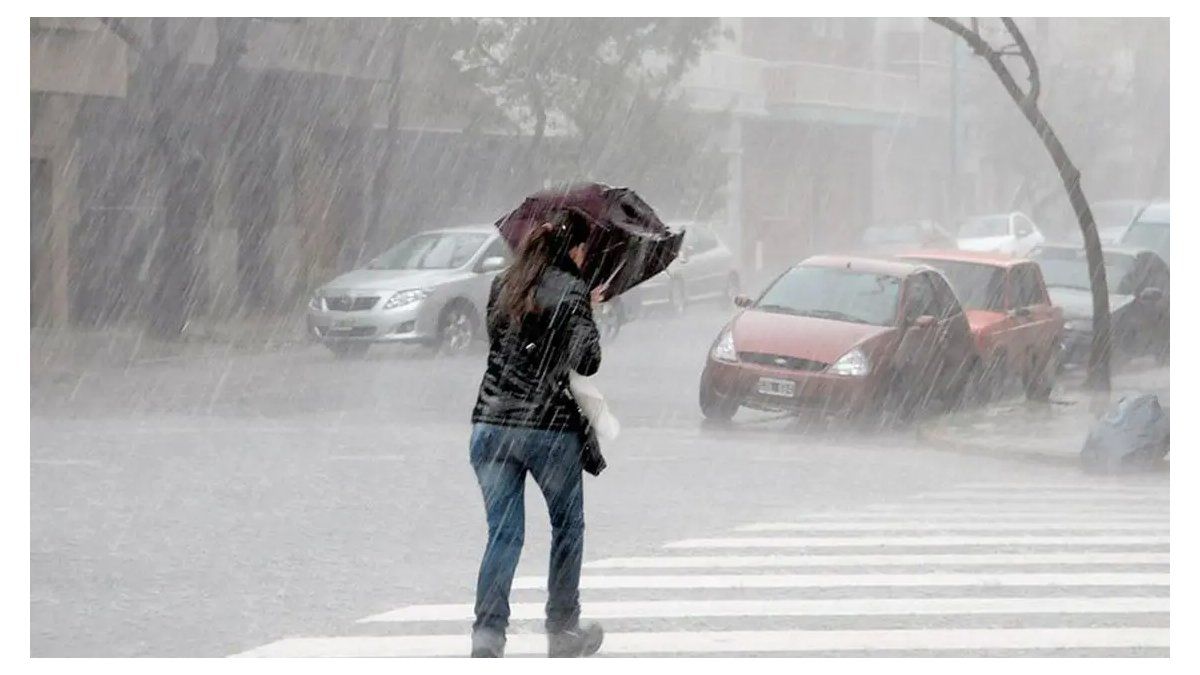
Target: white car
point(704, 270)
point(1012, 233)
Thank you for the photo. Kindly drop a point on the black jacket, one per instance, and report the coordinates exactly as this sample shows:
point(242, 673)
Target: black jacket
point(525, 384)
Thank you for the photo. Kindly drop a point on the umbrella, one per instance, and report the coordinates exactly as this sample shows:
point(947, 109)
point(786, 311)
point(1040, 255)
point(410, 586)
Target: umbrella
point(629, 243)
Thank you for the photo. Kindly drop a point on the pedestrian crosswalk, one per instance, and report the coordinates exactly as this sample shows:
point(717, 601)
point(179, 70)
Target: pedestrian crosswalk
point(1004, 568)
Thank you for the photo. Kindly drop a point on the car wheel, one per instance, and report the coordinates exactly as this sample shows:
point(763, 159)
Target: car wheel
point(714, 406)
point(679, 300)
point(457, 329)
point(994, 377)
point(348, 350)
point(897, 405)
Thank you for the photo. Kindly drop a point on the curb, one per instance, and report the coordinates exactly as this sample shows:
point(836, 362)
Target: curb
point(944, 443)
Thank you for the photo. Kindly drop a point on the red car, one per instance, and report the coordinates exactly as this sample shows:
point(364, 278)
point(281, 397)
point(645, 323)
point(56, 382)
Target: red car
point(844, 336)
point(1017, 331)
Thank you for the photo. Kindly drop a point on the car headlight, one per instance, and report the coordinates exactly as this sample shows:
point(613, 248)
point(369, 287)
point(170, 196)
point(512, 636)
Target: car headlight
point(316, 302)
point(853, 363)
point(724, 350)
point(405, 298)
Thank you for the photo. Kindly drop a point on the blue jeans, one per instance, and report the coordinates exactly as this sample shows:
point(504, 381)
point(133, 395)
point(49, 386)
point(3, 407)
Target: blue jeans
point(501, 456)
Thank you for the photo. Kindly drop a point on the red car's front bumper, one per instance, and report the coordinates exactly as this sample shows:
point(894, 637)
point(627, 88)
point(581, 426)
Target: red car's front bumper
point(815, 392)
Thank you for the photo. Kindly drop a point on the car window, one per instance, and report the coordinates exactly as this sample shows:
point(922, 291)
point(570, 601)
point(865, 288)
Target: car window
point(985, 226)
point(1149, 234)
point(943, 296)
point(834, 293)
point(919, 299)
point(1024, 226)
point(1067, 267)
point(498, 249)
point(431, 251)
point(701, 239)
point(975, 285)
point(1024, 288)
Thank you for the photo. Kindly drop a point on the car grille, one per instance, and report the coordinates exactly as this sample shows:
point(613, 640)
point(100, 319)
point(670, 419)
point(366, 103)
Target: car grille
point(780, 361)
point(357, 331)
point(345, 303)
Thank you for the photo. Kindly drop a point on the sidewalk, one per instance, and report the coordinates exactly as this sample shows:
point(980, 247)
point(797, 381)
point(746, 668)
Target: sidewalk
point(1051, 433)
point(54, 353)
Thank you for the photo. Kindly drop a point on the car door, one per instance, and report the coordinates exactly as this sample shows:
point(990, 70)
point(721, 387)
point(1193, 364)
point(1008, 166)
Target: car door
point(955, 347)
point(704, 277)
point(913, 359)
point(1036, 323)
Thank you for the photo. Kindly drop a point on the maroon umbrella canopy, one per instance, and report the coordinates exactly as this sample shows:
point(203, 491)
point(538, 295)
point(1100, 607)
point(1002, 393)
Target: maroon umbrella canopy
point(629, 242)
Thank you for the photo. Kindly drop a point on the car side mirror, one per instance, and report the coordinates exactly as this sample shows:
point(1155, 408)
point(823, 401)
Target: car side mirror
point(925, 321)
point(743, 301)
point(1150, 294)
point(492, 264)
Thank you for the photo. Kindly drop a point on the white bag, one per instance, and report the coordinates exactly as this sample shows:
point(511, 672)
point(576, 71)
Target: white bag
point(594, 407)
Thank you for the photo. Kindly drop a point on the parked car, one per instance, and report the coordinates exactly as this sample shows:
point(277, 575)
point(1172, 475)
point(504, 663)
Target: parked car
point(1113, 217)
point(1138, 300)
point(917, 234)
point(1011, 233)
point(844, 336)
point(429, 289)
point(1017, 331)
point(704, 270)
point(1151, 229)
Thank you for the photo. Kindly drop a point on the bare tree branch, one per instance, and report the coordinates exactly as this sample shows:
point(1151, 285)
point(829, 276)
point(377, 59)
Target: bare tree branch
point(1035, 78)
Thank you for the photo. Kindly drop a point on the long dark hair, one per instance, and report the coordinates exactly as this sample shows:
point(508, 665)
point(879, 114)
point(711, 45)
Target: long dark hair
point(545, 245)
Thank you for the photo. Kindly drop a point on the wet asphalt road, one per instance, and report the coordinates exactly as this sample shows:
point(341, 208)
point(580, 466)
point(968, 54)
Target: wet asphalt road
point(204, 507)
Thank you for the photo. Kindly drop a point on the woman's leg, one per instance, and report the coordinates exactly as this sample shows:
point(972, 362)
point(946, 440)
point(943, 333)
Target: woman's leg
point(556, 468)
point(501, 476)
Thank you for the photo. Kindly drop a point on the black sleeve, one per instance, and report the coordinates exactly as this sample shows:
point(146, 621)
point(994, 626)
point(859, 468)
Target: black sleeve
point(493, 297)
point(583, 345)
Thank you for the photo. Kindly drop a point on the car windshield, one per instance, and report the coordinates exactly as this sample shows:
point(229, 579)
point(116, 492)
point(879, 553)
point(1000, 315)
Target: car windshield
point(834, 293)
point(1113, 215)
point(1155, 236)
point(1067, 268)
point(984, 226)
point(977, 286)
point(433, 251)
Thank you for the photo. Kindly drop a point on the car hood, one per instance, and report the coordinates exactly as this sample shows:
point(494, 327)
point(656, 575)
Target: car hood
point(985, 243)
point(390, 280)
point(1076, 303)
point(981, 319)
point(800, 337)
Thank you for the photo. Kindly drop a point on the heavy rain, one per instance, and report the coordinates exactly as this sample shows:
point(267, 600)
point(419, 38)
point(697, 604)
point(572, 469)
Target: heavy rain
point(869, 319)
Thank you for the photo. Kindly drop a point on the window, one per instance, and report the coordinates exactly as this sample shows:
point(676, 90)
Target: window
point(1024, 226)
point(833, 293)
point(943, 296)
point(498, 249)
point(701, 240)
point(1023, 284)
point(975, 286)
point(919, 299)
point(431, 251)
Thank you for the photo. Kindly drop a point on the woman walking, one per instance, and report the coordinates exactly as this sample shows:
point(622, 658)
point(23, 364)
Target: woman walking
point(540, 327)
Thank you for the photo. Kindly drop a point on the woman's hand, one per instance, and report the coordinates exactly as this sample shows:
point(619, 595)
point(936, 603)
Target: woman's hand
point(598, 294)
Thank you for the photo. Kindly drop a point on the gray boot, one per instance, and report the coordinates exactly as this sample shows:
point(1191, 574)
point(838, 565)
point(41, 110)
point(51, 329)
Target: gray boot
point(487, 643)
point(575, 642)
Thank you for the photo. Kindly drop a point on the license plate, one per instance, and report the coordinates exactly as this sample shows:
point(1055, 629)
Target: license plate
point(343, 324)
point(772, 387)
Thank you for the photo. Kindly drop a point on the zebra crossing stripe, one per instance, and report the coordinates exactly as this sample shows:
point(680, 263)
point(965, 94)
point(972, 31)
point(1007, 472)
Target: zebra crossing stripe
point(857, 580)
point(923, 559)
point(968, 515)
point(901, 540)
point(1046, 495)
point(673, 609)
point(1154, 490)
point(928, 525)
point(734, 642)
